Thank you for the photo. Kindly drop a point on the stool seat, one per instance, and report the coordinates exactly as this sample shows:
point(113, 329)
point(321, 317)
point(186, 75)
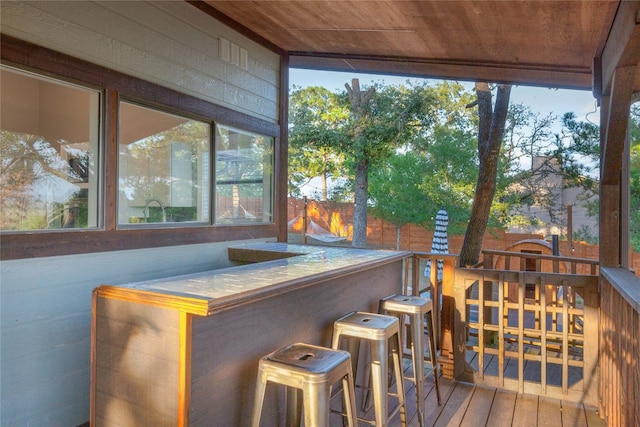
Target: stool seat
point(366, 326)
point(416, 308)
point(407, 304)
point(378, 330)
point(312, 369)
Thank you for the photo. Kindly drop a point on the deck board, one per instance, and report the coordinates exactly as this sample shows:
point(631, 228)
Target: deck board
point(432, 409)
point(465, 404)
point(549, 412)
point(501, 414)
point(479, 408)
point(593, 418)
point(573, 415)
point(526, 411)
point(456, 405)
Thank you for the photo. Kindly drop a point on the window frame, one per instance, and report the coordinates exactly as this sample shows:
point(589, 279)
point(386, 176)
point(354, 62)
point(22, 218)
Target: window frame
point(171, 111)
point(114, 85)
point(214, 182)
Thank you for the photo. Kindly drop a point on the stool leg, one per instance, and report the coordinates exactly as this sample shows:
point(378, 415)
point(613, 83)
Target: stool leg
point(316, 404)
point(379, 381)
point(417, 354)
point(432, 353)
point(352, 347)
point(261, 385)
point(366, 397)
point(348, 388)
point(397, 363)
point(294, 401)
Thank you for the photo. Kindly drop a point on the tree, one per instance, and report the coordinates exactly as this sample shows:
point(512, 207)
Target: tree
point(448, 144)
point(450, 174)
point(491, 126)
point(395, 194)
point(363, 128)
point(384, 118)
point(317, 120)
point(361, 113)
point(577, 150)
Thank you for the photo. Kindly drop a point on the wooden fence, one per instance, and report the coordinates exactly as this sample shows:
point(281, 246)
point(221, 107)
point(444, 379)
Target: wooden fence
point(337, 219)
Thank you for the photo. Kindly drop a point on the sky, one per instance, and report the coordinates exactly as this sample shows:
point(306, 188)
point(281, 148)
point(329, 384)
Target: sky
point(541, 100)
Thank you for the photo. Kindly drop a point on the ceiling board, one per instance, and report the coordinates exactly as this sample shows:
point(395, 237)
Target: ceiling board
point(541, 42)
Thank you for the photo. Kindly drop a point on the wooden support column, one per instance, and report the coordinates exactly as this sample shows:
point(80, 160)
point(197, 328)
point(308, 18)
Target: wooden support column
point(616, 69)
point(625, 204)
point(282, 151)
point(614, 125)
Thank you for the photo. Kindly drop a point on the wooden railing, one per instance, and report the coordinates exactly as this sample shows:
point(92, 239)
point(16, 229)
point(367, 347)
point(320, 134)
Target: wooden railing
point(568, 336)
point(507, 260)
point(533, 332)
point(620, 347)
point(530, 332)
point(416, 284)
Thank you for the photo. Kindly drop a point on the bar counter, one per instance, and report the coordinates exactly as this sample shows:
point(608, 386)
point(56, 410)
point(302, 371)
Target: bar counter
point(184, 350)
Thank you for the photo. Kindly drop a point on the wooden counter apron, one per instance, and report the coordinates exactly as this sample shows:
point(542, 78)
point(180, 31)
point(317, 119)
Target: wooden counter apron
point(184, 350)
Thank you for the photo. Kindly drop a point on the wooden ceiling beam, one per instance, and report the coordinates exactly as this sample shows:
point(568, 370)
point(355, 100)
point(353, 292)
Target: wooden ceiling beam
point(623, 44)
point(567, 78)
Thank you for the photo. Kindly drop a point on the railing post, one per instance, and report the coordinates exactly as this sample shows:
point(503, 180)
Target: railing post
point(415, 272)
point(591, 298)
point(487, 260)
point(452, 341)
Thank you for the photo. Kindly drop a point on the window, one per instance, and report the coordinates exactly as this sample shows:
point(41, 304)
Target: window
point(244, 177)
point(57, 174)
point(163, 167)
point(48, 153)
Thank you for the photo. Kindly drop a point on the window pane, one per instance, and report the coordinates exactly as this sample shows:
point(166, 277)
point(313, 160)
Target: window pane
point(163, 167)
point(48, 153)
point(244, 177)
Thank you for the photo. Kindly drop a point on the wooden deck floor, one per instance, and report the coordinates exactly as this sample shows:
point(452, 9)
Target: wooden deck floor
point(465, 404)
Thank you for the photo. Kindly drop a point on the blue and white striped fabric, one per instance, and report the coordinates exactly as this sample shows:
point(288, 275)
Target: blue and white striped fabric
point(440, 243)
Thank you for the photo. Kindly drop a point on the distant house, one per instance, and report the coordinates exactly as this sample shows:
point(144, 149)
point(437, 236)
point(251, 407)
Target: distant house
point(546, 196)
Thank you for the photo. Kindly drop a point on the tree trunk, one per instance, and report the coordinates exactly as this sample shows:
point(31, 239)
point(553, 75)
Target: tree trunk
point(490, 135)
point(361, 190)
point(360, 105)
point(324, 183)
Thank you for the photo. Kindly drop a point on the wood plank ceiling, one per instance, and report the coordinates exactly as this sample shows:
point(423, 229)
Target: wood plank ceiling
point(548, 42)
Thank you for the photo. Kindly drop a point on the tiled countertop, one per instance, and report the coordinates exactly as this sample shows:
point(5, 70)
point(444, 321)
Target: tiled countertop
point(211, 291)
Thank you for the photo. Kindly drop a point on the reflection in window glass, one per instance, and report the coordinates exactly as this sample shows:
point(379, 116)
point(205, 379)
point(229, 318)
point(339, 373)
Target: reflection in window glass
point(48, 153)
point(244, 177)
point(163, 167)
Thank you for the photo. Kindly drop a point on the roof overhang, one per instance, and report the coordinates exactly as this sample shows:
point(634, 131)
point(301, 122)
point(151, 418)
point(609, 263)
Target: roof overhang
point(547, 43)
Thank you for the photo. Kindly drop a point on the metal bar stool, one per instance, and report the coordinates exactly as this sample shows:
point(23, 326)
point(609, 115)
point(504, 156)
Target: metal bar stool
point(416, 308)
point(313, 370)
point(378, 330)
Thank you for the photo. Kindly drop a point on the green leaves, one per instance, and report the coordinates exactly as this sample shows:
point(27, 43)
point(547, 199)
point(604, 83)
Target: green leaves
point(318, 121)
point(419, 143)
point(395, 193)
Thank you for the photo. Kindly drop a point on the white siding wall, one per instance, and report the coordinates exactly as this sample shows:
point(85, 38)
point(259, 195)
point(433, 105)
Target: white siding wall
point(170, 43)
point(45, 308)
point(45, 303)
